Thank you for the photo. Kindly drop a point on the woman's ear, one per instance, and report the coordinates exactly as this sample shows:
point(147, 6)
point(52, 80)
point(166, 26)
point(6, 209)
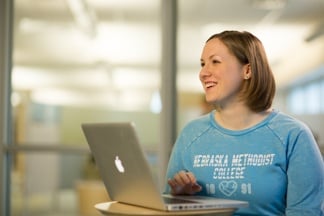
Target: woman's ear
point(247, 71)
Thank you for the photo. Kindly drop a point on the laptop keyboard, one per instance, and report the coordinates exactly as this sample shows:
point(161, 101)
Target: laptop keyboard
point(174, 200)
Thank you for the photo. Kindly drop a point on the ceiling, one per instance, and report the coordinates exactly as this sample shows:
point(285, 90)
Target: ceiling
point(109, 53)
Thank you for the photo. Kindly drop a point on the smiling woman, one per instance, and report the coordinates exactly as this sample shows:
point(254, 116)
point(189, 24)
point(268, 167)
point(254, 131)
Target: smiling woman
point(244, 148)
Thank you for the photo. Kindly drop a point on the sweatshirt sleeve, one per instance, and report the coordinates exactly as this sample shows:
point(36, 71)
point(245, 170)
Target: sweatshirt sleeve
point(175, 163)
point(190, 132)
point(305, 173)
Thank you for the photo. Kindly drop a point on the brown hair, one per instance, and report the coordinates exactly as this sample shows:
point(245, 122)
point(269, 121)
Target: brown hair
point(258, 91)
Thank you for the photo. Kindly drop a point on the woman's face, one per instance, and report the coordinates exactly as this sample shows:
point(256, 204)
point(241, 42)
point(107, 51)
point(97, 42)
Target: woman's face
point(221, 74)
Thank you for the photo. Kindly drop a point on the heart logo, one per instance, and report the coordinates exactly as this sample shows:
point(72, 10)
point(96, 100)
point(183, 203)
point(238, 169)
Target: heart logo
point(228, 187)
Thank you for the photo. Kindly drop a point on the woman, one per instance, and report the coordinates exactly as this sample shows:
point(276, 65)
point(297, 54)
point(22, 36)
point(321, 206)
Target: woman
point(244, 149)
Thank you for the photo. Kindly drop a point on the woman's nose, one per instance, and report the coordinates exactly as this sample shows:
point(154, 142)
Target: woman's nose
point(204, 72)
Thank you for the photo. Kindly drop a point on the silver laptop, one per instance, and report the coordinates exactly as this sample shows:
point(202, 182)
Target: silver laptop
point(127, 176)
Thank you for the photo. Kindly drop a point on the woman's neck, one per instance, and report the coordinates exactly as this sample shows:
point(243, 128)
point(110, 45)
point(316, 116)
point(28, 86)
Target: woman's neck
point(239, 117)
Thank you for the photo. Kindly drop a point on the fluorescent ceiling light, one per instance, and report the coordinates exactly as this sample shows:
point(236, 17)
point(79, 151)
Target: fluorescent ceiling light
point(269, 4)
point(34, 78)
point(129, 100)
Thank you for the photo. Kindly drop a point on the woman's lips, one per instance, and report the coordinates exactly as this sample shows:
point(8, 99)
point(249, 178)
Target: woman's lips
point(210, 84)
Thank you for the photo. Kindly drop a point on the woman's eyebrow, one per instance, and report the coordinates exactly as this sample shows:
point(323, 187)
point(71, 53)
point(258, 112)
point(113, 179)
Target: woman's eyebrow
point(211, 57)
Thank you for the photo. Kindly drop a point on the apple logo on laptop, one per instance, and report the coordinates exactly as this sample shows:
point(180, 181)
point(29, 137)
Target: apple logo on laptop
point(119, 165)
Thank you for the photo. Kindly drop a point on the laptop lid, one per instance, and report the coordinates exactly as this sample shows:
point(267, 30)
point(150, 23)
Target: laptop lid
point(127, 175)
point(122, 164)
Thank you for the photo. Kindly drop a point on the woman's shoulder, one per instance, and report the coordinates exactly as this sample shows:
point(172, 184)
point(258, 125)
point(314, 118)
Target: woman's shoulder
point(285, 125)
point(196, 127)
point(281, 119)
point(199, 122)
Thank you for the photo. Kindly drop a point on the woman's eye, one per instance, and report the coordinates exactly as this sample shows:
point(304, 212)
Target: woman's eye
point(215, 61)
point(202, 64)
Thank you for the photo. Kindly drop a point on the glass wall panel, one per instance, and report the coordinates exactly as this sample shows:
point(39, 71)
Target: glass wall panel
point(77, 61)
point(55, 184)
point(97, 64)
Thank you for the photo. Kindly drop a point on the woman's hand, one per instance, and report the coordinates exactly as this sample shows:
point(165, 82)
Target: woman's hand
point(184, 183)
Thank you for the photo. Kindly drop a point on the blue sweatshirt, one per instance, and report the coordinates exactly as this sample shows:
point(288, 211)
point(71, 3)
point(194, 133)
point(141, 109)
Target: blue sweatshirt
point(275, 165)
